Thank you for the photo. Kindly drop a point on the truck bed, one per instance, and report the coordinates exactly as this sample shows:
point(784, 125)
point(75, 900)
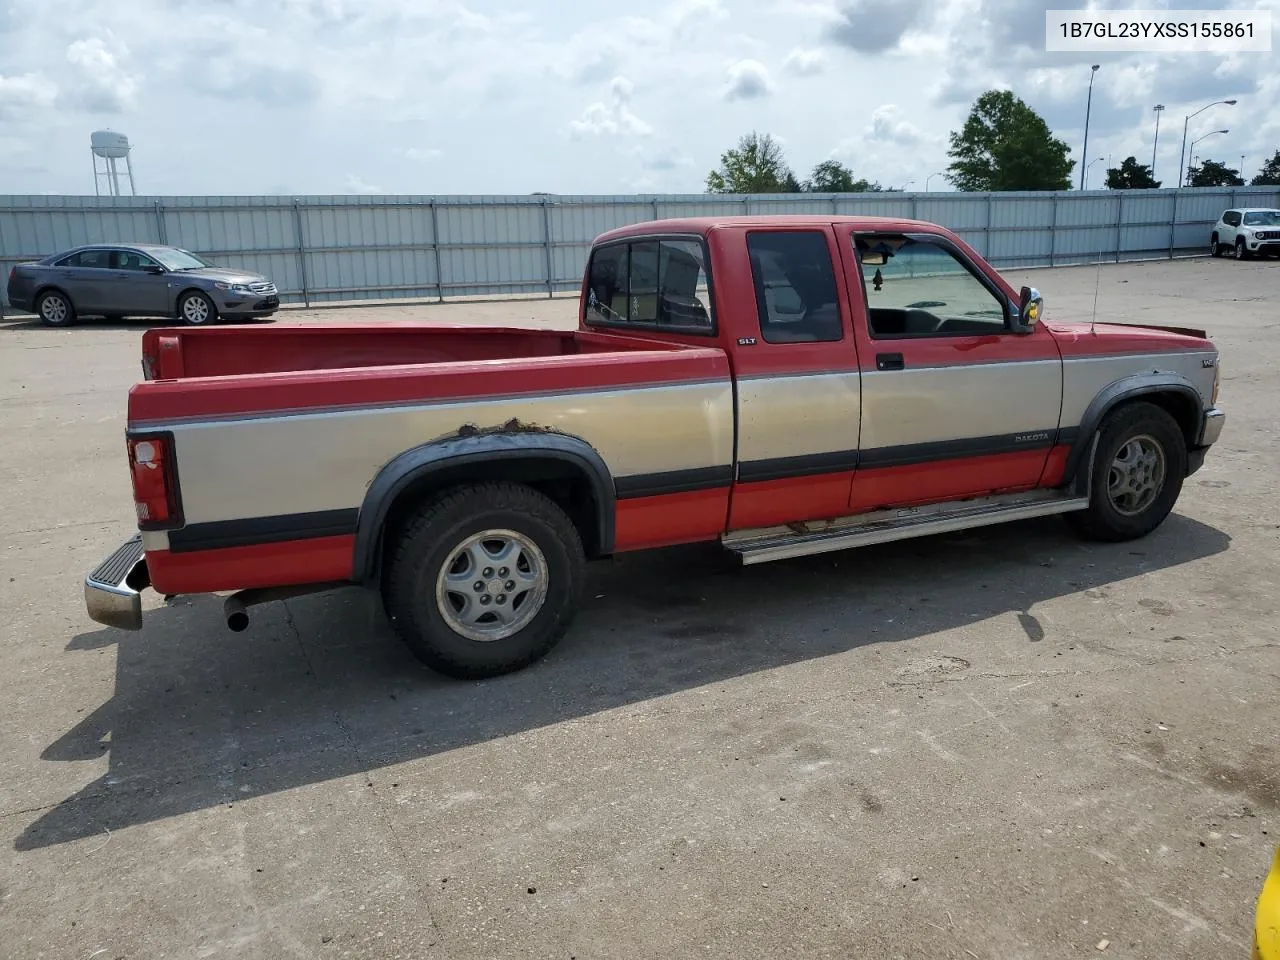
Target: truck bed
point(182, 353)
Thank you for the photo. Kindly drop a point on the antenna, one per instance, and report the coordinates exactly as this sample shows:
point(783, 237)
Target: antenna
point(1097, 282)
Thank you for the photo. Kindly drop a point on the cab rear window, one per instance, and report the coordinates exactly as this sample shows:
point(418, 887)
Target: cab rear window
point(655, 284)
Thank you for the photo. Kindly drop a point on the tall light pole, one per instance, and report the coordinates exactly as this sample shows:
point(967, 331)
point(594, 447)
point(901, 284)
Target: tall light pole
point(1183, 154)
point(1211, 133)
point(930, 177)
point(1158, 109)
point(1084, 152)
point(1242, 166)
point(907, 184)
point(1085, 179)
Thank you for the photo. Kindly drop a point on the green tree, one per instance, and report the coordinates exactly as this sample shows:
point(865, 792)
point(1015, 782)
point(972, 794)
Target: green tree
point(1213, 174)
point(1269, 175)
point(1131, 175)
point(832, 176)
point(1005, 145)
point(756, 165)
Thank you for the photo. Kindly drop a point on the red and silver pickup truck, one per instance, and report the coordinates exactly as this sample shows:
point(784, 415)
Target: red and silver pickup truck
point(782, 385)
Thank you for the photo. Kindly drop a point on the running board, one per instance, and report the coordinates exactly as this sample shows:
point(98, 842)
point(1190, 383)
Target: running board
point(884, 526)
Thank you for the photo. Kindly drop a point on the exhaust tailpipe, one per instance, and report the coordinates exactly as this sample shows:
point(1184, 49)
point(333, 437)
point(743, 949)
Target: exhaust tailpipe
point(236, 615)
point(234, 608)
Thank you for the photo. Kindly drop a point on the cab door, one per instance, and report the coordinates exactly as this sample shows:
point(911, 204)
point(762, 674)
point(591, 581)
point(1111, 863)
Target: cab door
point(955, 404)
point(796, 376)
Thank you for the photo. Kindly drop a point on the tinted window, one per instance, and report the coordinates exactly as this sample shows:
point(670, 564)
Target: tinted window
point(653, 283)
point(132, 260)
point(795, 287)
point(924, 290)
point(1232, 219)
point(88, 258)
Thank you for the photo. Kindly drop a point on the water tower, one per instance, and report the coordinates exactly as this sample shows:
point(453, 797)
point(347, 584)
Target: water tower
point(109, 147)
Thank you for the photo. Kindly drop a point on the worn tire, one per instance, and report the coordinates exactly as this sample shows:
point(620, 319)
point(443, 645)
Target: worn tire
point(50, 315)
point(188, 311)
point(1102, 520)
point(418, 552)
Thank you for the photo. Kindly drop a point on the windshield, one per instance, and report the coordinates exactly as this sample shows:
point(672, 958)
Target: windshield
point(1262, 218)
point(178, 259)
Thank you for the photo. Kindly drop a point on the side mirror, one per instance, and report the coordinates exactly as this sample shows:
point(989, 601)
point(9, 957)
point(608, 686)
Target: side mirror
point(153, 269)
point(1030, 306)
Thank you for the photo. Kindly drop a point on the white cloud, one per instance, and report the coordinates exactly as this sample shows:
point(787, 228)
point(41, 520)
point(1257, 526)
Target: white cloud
point(423, 154)
point(747, 80)
point(804, 63)
point(614, 118)
point(356, 184)
point(101, 81)
point(28, 91)
point(888, 126)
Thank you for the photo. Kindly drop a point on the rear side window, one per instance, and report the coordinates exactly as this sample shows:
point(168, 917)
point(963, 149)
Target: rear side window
point(87, 258)
point(795, 284)
point(661, 284)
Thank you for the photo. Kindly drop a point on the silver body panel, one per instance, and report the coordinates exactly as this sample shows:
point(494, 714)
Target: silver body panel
point(1083, 378)
point(793, 416)
point(934, 404)
point(237, 468)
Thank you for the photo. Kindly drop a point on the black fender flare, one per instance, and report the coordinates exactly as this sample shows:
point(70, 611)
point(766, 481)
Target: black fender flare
point(1118, 392)
point(420, 462)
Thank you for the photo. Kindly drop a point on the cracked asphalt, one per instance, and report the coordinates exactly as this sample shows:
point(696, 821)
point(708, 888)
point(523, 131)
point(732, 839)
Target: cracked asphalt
point(999, 744)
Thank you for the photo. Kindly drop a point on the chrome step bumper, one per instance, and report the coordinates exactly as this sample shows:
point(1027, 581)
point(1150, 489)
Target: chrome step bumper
point(885, 526)
point(112, 592)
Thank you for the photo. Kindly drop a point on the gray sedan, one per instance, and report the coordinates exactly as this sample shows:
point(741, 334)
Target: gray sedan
point(138, 280)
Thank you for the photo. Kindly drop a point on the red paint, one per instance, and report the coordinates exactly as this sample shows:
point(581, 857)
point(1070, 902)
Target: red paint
point(596, 362)
point(773, 503)
point(1103, 339)
point(930, 482)
point(1055, 466)
point(670, 519)
point(266, 565)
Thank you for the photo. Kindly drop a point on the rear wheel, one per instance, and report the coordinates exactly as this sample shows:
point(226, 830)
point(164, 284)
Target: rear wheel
point(1137, 474)
point(196, 309)
point(484, 580)
point(1215, 248)
point(55, 309)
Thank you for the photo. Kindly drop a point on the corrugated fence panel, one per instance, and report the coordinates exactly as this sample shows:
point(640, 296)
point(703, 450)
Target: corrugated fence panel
point(320, 248)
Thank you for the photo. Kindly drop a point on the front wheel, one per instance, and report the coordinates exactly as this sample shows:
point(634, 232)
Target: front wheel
point(196, 309)
point(484, 580)
point(1137, 474)
point(1241, 252)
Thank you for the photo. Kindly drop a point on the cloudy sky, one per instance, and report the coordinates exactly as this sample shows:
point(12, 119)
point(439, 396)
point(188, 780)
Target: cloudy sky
point(569, 96)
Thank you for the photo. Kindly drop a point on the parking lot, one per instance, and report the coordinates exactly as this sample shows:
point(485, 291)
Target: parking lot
point(1005, 743)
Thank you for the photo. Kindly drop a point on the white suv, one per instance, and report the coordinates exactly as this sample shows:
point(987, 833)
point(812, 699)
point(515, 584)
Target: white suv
point(1246, 231)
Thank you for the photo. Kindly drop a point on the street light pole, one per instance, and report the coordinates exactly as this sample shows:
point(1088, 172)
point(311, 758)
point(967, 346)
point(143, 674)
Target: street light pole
point(1084, 152)
point(1182, 154)
point(930, 177)
point(1211, 133)
point(1085, 179)
point(1159, 109)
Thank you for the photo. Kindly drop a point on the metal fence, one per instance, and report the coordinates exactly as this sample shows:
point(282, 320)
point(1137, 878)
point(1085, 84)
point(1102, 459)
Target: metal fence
point(333, 248)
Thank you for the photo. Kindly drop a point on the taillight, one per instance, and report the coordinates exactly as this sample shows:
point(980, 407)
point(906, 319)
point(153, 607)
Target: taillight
point(155, 489)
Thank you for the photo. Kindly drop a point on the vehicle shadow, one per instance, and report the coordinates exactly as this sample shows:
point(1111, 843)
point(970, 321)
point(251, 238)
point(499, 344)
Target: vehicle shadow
point(318, 688)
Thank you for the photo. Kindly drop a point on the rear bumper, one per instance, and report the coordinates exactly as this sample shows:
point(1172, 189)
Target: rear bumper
point(112, 593)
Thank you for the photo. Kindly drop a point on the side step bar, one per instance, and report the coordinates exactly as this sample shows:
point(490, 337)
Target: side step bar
point(884, 526)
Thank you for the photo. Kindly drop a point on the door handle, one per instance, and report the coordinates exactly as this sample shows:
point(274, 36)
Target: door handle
point(890, 361)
